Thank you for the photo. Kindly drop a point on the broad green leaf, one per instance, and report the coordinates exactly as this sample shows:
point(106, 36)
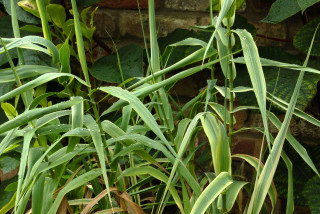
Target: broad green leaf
point(255, 71)
point(22, 15)
point(75, 183)
point(6, 30)
point(211, 192)
point(30, 6)
point(281, 10)
point(64, 54)
point(25, 71)
point(304, 36)
point(83, 14)
point(8, 164)
point(34, 57)
point(57, 14)
point(31, 28)
point(9, 110)
point(312, 193)
point(304, 4)
point(92, 16)
point(5, 209)
point(68, 28)
point(87, 32)
point(107, 68)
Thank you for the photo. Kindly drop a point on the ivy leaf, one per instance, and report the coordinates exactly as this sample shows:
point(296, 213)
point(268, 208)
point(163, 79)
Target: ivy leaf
point(6, 27)
point(22, 15)
point(86, 3)
point(8, 164)
point(286, 79)
point(9, 110)
point(304, 4)
point(171, 55)
point(283, 9)
point(312, 194)
point(302, 39)
point(107, 68)
point(57, 14)
point(4, 195)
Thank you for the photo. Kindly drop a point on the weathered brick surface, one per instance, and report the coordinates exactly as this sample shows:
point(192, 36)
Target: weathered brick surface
point(126, 4)
point(130, 25)
point(275, 35)
point(247, 143)
point(7, 176)
point(105, 21)
point(187, 5)
point(298, 127)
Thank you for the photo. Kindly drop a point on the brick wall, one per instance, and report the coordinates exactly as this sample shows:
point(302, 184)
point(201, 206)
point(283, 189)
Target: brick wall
point(121, 19)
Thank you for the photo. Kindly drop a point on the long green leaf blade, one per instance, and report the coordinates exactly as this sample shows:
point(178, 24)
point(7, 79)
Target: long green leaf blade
point(36, 113)
point(75, 183)
point(211, 192)
point(254, 67)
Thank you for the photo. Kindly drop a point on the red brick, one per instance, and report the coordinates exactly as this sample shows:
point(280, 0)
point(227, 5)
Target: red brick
point(9, 175)
point(126, 4)
point(247, 143)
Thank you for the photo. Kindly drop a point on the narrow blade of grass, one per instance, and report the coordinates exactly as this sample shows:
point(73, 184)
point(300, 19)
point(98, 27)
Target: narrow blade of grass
point(36, 113)
point(75, 183)
point(211, 192)
point(36, 82)
point(254, 67)
point(268, 171)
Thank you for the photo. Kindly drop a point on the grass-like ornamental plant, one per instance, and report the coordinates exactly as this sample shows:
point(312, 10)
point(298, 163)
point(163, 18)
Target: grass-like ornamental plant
point(73, 158)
